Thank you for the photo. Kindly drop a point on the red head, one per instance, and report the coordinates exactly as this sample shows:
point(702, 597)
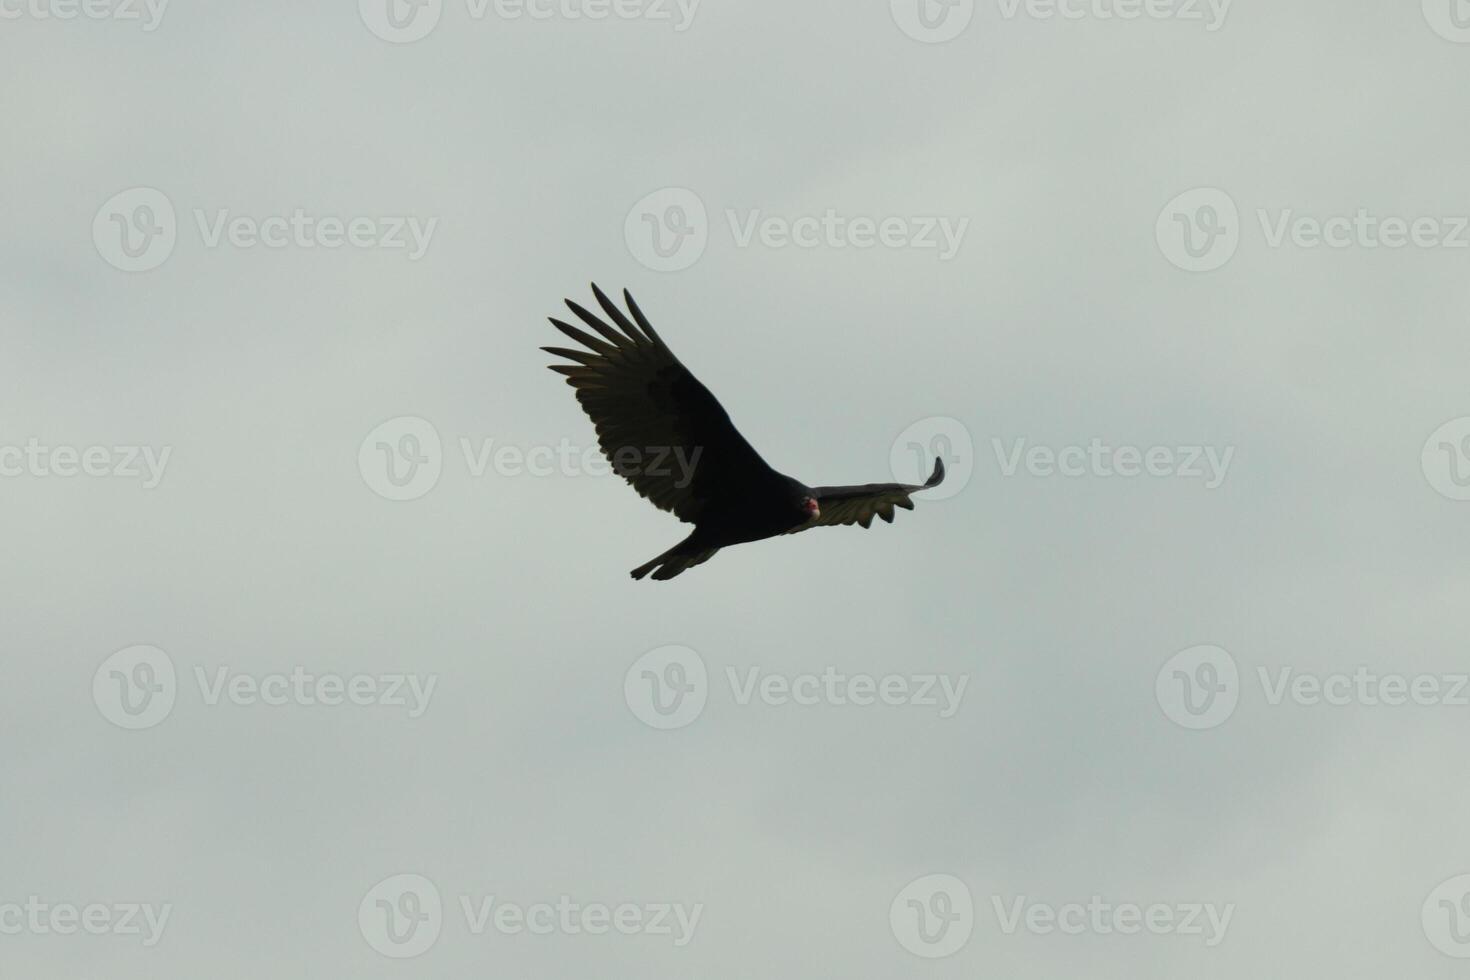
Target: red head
point(811, 508)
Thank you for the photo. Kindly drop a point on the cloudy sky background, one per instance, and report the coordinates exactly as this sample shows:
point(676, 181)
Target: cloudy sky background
point(1061, 319)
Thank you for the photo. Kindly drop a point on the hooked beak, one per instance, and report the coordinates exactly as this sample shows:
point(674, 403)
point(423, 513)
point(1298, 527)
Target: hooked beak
point(813, 510)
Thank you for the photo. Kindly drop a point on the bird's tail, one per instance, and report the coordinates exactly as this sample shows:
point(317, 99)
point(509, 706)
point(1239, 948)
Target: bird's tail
point(677, 559)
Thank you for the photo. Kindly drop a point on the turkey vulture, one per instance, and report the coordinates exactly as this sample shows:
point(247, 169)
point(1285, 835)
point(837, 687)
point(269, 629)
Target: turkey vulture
point(665, 434)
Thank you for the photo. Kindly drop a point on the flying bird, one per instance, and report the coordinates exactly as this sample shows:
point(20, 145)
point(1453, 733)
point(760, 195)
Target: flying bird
point(665, 434)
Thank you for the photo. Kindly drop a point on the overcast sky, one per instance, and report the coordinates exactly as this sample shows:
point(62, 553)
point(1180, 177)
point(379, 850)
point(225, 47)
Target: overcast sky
point(325, 661)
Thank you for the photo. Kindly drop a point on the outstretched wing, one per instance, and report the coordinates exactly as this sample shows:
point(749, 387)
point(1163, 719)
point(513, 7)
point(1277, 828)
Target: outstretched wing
point(658, 426)
point(859, 505)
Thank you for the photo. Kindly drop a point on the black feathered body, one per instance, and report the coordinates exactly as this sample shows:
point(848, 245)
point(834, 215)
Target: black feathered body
point(669, 437)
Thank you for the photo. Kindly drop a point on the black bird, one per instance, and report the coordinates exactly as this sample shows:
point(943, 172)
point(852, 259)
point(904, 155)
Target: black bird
point(666, 435)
